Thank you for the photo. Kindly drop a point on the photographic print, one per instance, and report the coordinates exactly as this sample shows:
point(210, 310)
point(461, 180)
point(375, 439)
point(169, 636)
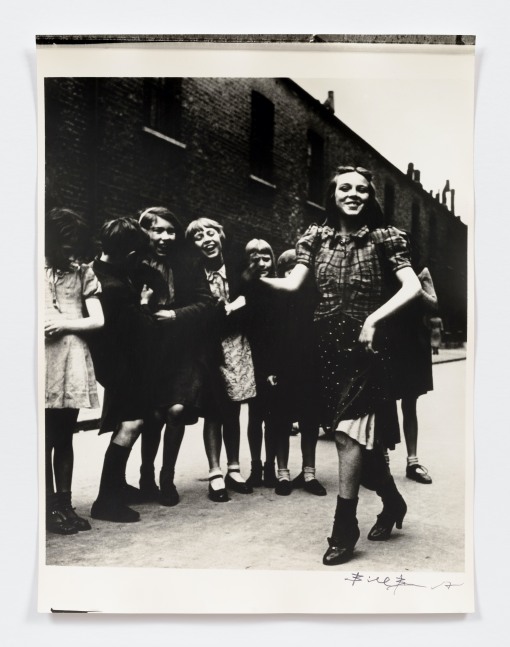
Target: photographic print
point(256, 326)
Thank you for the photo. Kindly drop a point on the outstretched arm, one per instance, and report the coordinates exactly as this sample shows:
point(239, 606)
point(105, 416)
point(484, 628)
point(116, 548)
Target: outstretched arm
point(409, 290)
point(290, 283)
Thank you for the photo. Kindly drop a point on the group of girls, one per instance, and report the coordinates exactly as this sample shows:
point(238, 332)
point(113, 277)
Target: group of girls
point(178, 325)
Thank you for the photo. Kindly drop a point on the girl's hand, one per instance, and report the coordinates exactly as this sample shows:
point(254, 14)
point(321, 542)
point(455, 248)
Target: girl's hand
point(54, 328)
point(145, 295)
point(366, 336)
point(164, 315)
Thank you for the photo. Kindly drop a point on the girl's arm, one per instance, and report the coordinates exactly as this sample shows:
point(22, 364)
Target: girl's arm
point(62, 326)
point(410, 289)
point(428, 294)
point(290, 283)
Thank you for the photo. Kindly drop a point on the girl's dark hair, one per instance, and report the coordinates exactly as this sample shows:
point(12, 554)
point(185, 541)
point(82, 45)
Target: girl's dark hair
point(372, 213)
point(65, 228)
point(121, 236)
point(148, 216)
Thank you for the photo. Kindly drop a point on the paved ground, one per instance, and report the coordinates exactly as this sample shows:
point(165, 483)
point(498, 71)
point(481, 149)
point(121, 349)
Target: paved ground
point(265, 531)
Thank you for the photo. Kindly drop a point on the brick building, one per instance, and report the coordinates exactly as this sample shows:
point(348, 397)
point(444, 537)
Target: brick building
point(255, 154)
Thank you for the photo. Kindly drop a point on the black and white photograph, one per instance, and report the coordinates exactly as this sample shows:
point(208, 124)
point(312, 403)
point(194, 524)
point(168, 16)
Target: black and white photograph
point(255, 324)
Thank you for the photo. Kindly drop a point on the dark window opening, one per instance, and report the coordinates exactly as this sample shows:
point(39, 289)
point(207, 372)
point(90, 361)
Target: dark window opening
point(262, 136)
point(315, 167)
point(162, 104)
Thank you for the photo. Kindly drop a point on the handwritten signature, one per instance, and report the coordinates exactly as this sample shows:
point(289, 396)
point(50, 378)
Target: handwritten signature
point(393, 584)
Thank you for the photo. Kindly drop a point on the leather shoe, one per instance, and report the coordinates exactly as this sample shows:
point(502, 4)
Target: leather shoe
point(338, 552)
point(241, 487)
point(418, 473)
point(382, 528)
point(313, 486)
point(168, 495)
point(218, 496)
point(283, 488)
point(113, 510)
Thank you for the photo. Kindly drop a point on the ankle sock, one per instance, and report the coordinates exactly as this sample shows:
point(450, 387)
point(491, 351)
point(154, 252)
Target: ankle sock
point(216, 483)
point(283, 475)
point(412, 460)
point(308, 473)
point(234, 472)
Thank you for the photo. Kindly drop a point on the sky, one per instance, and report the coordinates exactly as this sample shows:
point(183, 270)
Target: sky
point(423, 121)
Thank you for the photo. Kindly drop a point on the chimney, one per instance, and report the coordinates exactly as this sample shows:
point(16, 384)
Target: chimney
point(410, 170)
point(452, 201)
point(329, 104)
point(416, 176)
point(445, 191)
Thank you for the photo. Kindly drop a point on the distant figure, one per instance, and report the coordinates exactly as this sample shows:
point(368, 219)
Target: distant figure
point(436, 328)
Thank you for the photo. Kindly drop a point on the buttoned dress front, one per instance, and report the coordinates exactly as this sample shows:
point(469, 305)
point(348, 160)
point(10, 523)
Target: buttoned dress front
point(70, 379)
point(350, 277)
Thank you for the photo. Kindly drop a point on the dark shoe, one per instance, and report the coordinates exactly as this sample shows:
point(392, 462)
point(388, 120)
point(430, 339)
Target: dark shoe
point(149, 491)
point(168, 495)
point(131, 494)
point(255, 478)
point(241, 487)
point(270, 479)
point(56, 520)
point(283, 487)
point(67, 508)
point(218, 496)
point(418, 473)
point(345, 533)
point(339, 551)
point(393, 513)
point(313, 486)
point(113, 510)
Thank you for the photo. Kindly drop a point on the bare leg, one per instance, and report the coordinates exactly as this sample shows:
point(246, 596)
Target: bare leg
point(349, 465)
point(232, 431)
point(212, 441)
point(174, 433)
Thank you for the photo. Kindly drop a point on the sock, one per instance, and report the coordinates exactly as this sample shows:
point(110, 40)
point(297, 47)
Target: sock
point(216, 483)
point(233, 470)
point(308, 473)
point(283, 475)
point(114, 470)
point(412, 460)
point(387, 457)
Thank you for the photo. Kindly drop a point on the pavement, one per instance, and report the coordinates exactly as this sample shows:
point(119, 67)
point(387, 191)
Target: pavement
point(266, 531)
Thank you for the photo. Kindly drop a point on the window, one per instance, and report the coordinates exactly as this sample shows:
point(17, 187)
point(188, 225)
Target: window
point(262, 136)
point(162, 105)
point(315, 167)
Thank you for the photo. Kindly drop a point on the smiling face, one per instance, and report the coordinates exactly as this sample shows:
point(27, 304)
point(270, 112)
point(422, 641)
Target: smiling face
point(352, 193)
point(208, 242)
point(162, 234)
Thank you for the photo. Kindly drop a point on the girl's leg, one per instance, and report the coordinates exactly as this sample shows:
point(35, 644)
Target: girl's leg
point(345, 531)
point(283, 426)
point(49, 434)
point(150, 440)
point(414, 470)
point(379, 478)
point(309, 436)
point(110, 503)
point(232, 440)
point(63, 454)
point(212, 442)
point(255, 443)
point(174, 433)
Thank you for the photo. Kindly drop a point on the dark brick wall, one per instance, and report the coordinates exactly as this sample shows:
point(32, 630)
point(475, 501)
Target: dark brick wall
point(101, 162)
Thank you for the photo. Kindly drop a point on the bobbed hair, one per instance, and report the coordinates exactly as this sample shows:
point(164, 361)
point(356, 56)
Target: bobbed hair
point(121, 236)
point(148, 216)
point(258, 245)
point(64, 227)
point(286, 261)
point(204, 223)
point(372, 214)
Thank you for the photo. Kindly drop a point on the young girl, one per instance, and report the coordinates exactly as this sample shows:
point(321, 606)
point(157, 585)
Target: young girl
point(231, 376)
point(71, 309)
point(266, 334)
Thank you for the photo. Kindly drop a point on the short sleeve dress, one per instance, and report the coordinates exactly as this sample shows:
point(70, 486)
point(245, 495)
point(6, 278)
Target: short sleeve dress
point(70, 379)
point(349, 272)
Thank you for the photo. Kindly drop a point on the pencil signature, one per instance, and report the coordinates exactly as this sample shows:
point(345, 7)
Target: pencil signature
point(393, 584)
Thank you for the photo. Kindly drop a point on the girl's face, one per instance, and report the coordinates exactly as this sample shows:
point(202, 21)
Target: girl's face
point(208, 241)
point(263, 262)
point(351, 193)
point(162, 235)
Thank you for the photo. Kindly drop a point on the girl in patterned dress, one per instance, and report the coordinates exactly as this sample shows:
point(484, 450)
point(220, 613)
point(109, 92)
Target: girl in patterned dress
point(231, 374)
point(71, 310)
point(345, 256)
